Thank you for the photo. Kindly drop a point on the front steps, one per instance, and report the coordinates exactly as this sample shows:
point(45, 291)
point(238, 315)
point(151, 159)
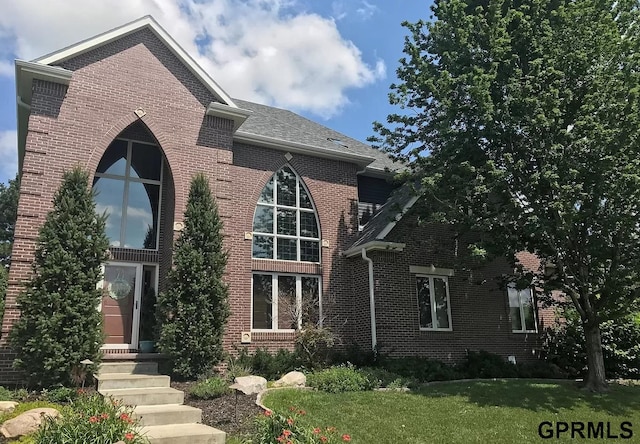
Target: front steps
point(163, 418)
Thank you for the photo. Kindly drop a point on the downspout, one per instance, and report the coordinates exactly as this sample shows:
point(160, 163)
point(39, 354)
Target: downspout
point(23, 104)
point(372, 301)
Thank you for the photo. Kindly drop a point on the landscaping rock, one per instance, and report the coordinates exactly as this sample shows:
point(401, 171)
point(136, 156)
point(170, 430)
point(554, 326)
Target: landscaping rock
point(250, 385)
point(7, 406)
point(27, 422)
point(291, 379)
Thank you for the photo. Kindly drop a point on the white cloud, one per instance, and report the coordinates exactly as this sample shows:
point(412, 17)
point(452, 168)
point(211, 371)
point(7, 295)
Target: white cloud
point(8, 154)
point(255, 49)
point(366, 10)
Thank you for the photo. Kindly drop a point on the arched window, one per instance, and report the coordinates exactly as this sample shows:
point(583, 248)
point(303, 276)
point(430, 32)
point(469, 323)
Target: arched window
point(285, 225)
point(127, 183)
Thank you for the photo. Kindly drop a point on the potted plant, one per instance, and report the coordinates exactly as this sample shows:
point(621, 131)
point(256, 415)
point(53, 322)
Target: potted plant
point(148, 322)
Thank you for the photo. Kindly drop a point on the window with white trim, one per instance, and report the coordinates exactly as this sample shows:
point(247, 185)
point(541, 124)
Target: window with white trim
point(285, 301)
point(285, 223)
point(433, 302)
point(522, 310)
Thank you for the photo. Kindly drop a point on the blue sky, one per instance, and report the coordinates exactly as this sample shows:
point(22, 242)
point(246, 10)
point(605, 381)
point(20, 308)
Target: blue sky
point(331, 61)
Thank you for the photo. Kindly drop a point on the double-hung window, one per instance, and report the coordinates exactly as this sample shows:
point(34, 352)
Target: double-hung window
point(285, 301)
point(433, 302)
point(522, 310)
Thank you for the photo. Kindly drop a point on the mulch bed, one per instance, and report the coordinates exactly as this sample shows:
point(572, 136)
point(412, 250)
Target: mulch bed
point(223, 413)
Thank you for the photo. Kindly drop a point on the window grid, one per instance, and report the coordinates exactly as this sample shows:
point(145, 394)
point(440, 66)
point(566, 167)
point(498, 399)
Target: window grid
point(275, 299)
point(126, 178)
point(434, 317)
point(275, 205)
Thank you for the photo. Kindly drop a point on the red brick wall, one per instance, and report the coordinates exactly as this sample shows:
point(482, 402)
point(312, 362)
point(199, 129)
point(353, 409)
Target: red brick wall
point(479, 307)
point(75, 125)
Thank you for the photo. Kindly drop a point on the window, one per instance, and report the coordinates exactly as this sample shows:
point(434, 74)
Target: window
point(127, 184)
point(433, 302)
point(285, 225)
point(521, 310)
point(285, 302)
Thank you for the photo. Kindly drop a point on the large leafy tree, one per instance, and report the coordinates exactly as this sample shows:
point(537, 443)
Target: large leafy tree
point(523, 119)
point(194, 308)
point(60, 324)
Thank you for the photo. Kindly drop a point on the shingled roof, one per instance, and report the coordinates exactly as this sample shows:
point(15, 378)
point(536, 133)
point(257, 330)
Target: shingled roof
point(286, 125)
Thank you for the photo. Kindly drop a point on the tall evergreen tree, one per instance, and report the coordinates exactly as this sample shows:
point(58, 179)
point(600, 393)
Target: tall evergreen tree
point(60, 324)
point(523, 118)
point(194, 308)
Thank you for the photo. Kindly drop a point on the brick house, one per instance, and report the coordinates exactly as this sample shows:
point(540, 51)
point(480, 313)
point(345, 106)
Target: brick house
point(296, 199)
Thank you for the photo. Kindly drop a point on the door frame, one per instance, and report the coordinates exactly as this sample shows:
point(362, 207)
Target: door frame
point(137, 299)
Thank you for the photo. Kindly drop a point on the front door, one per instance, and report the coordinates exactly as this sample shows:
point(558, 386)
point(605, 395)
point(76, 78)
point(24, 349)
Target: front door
point(121, 304)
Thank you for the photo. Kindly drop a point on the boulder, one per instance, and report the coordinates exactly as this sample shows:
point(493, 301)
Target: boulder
point(27, 422)
point(7, 406)
point(291, 379)
point(250, 385)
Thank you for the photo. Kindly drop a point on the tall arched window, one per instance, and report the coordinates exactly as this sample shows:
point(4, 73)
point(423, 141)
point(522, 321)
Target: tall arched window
point(285, 224)
point(127, 183)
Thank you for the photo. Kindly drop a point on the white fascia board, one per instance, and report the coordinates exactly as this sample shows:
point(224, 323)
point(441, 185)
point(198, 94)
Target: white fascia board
point(431, 270)
point(301, 148)
point(26, 72)
point(130, 28)
point(374, 246)
point(399, 216)
point(238, 115)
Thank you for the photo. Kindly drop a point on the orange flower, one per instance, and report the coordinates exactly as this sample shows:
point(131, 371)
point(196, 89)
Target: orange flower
point(124, 416)
point(286, 433)
point(302, 412)
point(129, 436)
point(267, 413)
point(324, 438)
point(104, 416)
point(316, 431)
point(346, 438)
point(94, 419)
point(290, 421)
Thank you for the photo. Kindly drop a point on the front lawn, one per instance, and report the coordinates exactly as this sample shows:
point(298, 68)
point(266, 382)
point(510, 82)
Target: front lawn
point(462, 412)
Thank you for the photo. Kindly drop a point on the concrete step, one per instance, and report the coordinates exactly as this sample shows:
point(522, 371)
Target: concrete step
point(110, 381)
point(145, 396)
point(154, 415)
point(131, 367)
point(183, 434)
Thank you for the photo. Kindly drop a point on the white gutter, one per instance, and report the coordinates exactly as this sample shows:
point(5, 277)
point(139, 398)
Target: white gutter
point(372, 300)
point(375, 245)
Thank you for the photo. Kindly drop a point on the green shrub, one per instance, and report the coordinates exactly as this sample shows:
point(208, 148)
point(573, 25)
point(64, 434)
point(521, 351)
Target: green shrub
point(61, 395)
point(239, 365)
point(274, 366)
point(21, 395)
point(90, 419)
point(210, 388)
point(483, 364)
point(565, 346)
point(381, 377)
point(59, 325)
point(193, 311)
point(339, 379)
point(313, 345)
point(418, 369)
point(5, 394)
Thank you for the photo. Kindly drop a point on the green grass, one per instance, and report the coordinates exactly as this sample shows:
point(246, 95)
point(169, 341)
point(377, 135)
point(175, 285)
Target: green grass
point(462, 412)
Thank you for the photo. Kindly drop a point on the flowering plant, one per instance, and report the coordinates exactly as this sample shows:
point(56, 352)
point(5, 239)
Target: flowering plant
point(277, 428)
point(91, 419)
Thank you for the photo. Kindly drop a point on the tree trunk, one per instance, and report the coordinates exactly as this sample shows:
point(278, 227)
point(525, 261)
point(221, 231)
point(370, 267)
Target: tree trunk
point(596, 380)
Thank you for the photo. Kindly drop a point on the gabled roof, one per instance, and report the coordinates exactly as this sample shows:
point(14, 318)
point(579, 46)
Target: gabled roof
point(384, 220)
point(261, 125)
point(146, 22)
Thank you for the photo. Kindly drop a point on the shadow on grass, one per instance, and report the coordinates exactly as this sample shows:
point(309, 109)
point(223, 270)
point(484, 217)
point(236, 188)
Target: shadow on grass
point(539, 395)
